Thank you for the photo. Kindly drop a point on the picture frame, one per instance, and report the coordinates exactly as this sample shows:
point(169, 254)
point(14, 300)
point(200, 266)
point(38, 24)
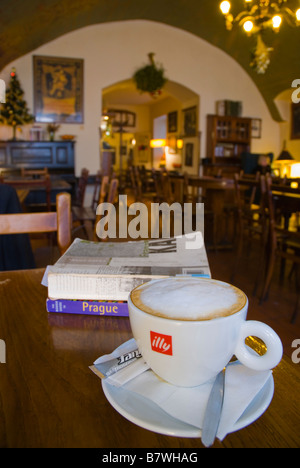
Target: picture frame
point(189, 154)
point(256, 125)
point(172, 122)
point(58, 89)
point(190, 121)
point(295, 121)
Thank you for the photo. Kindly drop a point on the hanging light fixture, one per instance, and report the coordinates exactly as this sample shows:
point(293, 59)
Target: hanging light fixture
point(105, 125)
point(257, 16)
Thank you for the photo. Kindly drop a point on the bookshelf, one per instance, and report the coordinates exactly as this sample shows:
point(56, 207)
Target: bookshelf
point(227, 138)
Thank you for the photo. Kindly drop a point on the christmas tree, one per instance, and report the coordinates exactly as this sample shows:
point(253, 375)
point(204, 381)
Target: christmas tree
point(15, 111)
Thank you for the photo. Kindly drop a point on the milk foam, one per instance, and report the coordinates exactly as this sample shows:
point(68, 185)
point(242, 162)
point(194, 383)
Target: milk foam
point(189, 298)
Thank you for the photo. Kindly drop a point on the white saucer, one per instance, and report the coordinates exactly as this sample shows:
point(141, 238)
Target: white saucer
point(144, 413)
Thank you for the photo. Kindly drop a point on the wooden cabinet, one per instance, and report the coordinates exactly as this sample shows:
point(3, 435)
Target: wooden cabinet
point(227, 138)
point(57, 156)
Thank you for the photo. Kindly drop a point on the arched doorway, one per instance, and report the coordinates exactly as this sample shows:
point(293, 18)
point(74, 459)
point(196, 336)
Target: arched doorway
point(130, 120)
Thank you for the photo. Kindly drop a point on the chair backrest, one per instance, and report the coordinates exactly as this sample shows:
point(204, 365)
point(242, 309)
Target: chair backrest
point(103, 189)
point(59, 221)
point(157, 184)
point(166, 187)
point(274, 215)
point(214, 172)
point(135, 182)
point(96, 191)
point(190, 192)
point(113, 190)
point(246, 189)
point(81, 187)
point(139, 183)
point(267, 202)
point(34, 172)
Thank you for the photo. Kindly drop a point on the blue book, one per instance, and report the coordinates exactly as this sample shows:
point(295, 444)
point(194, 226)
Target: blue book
point(69, 306)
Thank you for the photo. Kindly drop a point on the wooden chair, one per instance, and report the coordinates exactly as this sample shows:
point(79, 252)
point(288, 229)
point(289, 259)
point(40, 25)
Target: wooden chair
point(81, 188)
point(112, 190)
point(147, 179)
point(111, 199)
point(141, 187)
point(145, 185)
point(135, 184)
point(159, 195)
point(84, 217)
point(282, 243)
point(96, 191)
point(198, 193)
point(33, 185)
point(190, 193)
point(251, 221)
point(214, 172)
point(59, 222)
point(34, 172)
point(167, 191)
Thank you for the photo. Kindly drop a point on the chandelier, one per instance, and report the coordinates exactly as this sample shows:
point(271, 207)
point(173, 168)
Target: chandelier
point(257, 16)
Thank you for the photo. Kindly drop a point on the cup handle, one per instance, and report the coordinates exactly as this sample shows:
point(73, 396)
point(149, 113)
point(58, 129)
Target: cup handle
point(272, 341)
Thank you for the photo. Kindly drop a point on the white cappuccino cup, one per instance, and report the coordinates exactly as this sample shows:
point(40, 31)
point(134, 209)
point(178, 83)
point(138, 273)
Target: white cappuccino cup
point(187, 329)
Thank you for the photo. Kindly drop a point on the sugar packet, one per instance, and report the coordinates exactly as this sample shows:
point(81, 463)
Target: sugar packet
point(120, 366)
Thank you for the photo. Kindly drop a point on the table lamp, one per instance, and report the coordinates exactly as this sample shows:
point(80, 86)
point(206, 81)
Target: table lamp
point(285, 159)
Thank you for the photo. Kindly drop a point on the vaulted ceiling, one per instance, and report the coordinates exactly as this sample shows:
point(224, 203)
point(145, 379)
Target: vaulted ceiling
point(26, 25)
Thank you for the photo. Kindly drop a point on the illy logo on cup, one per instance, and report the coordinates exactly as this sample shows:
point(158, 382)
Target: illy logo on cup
point(161, 343)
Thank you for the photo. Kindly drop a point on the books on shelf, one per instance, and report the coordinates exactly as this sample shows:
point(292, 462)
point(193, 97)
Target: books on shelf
point(108, 271)
point(229, 108)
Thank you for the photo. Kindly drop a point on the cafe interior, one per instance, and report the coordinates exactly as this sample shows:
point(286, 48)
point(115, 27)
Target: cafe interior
point(177, 102)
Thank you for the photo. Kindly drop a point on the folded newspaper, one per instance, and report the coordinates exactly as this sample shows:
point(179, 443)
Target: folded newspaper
point(109, 271)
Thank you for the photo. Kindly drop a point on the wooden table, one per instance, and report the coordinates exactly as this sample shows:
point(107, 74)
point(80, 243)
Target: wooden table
point(50, 398)
point(37, 190)
point(30, 183)
point(287, 200)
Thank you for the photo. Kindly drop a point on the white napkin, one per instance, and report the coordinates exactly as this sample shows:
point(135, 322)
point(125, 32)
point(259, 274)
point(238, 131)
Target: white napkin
point(189, 404)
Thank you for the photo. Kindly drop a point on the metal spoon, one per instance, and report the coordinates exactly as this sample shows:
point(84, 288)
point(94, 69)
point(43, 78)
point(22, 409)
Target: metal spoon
point(214, 407)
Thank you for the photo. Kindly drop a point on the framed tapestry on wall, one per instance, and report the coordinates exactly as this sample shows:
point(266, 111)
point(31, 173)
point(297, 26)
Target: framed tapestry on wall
point(172, 122)
point(191, 155)
point(58, 89)
point(190, 121)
